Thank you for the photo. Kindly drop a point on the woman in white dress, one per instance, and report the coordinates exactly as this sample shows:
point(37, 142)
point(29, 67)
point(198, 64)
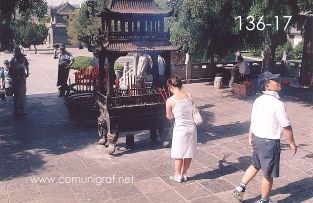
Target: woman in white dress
point(184, 141)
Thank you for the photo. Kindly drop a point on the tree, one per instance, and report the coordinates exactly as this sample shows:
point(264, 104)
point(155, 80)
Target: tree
point(211, 28)
point(297, 51)
point(80, 24)
point(14, 10)
point(273, 12)
point(30, 34)
point(281, 49)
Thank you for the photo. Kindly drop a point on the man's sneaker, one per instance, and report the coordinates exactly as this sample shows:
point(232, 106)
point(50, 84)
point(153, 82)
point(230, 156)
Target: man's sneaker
point(265, 201)
point(239, 191)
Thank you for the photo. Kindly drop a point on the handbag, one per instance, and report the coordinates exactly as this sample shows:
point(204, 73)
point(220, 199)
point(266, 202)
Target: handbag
point(197, 118)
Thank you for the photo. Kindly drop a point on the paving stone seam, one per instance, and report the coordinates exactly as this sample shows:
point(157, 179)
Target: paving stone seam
point(198, 198)
point(39, 191)
point(294, 167)
point(8, 199)
point(179, 193)
point(118, 199)
point(72, 191)
point(171, 188)
point(203, 187)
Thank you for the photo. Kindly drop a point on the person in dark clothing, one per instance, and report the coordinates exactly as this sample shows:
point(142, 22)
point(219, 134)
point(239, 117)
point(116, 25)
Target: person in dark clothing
point(19, 71)
point(6, 79)
point(65, 61)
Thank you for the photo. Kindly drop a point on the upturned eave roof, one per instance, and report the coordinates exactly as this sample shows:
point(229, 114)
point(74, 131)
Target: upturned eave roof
point(135, 7)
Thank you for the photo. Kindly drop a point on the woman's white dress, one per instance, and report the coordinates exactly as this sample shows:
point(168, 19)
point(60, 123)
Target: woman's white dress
point(184, 141)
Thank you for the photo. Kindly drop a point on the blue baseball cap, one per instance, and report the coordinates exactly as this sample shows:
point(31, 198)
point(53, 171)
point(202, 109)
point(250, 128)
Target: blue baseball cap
point(265, 77)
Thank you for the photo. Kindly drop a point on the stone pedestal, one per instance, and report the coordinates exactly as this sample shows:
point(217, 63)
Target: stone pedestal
point(246, 89)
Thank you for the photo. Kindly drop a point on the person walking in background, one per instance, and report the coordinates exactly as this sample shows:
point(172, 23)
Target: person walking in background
point(184, 141)
point(243, 67)
point(65, 61)
point(268, 122)
point(161, 68)
point(6, 79)
point(19, 71)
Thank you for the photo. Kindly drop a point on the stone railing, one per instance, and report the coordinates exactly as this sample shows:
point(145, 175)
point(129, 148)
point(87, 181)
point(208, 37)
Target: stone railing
point(197, 71)
point(208, 70)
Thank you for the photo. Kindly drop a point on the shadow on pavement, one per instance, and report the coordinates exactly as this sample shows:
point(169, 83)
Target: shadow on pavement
point(224, 168)
point(143, 143)
point(211, 132)
point(46, 129)
point(298, 191)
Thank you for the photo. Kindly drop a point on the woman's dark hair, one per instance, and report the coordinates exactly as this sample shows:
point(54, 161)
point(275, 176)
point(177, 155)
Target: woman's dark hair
point(175, 81)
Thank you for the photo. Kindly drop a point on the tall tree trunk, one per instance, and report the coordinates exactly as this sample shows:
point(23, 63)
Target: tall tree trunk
point(211, 61)
point(268, 60)
point(306, 71)
point(278, 38)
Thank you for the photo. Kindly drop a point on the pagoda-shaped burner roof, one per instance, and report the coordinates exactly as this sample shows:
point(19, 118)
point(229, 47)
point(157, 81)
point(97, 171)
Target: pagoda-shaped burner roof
point(146, 7)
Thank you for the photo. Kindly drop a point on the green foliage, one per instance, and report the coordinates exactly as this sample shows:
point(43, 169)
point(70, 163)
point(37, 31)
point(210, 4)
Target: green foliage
point(209, 31)
point(30, 34)
point(73, 29)
point(293, 53)
point(46, 19)
point(37, 8)
point(208, 28)
point(280, 51)
point(21, 10)
point(256, 52)
point(82, 61)
point(79, 24)
point(118, 66)
point(297, 51)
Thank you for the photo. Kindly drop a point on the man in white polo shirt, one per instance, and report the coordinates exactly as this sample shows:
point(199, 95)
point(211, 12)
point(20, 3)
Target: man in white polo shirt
point(268, 122)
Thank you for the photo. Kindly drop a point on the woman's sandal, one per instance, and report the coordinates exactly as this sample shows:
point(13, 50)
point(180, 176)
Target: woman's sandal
point(176, 178)
point(184, 178)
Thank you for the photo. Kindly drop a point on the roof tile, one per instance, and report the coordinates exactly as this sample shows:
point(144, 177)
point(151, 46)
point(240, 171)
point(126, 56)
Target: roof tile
point(135, 46)
point(136, 7)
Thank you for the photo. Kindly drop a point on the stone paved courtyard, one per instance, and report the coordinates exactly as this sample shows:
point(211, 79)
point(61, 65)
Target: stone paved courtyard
point(47, 143)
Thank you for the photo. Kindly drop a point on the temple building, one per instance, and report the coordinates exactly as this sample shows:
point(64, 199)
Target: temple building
point(58, 25)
